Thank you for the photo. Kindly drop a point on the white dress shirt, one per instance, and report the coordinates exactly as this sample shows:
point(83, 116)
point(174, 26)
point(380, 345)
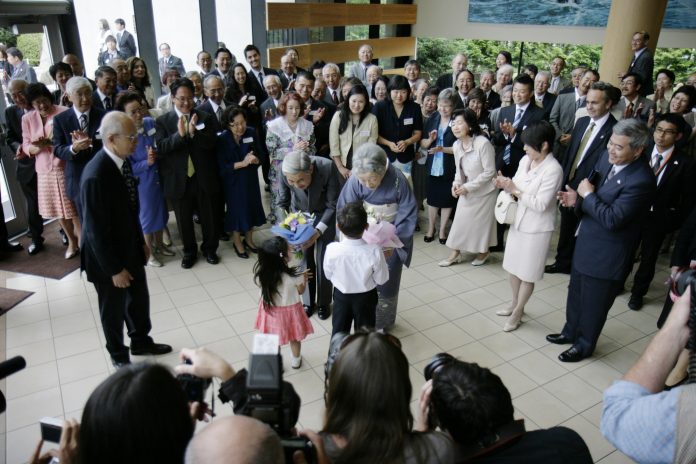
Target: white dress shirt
point(665, 156)
point(598, 126)
point(354, 266)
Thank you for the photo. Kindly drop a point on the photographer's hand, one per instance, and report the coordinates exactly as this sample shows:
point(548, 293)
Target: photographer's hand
point(322, 458)
point(200, 412)
point(67, 448)
point(421, 424)
point(204, 364)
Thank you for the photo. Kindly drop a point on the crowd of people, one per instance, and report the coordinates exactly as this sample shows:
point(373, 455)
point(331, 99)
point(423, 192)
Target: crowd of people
point(618, 162)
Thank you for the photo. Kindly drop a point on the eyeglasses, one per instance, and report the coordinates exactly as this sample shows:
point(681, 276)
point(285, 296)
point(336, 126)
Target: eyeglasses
point(131, 138)
point(184, 99)
point(660, 130)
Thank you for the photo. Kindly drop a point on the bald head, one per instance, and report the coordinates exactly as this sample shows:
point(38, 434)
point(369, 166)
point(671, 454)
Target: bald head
point(119, 134)
point(74, 62)
point(122, 73)
point(16, 89)
point(235, 439)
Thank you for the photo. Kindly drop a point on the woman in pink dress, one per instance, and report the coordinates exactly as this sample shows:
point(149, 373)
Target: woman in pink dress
point(37, 135)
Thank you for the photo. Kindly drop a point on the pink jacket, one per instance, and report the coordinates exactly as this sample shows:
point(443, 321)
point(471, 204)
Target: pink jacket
point(33, 128)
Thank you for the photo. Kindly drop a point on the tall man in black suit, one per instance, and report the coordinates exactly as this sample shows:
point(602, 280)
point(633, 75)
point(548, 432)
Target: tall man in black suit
point(588, 142)
point(317, 111)
point(674, 200)
point(186, 144)
point(642, 62)
point(256, 72)
point(114, 252)
point(105, 95)
point(611, 216)
point(124, 39)
point(74, 135)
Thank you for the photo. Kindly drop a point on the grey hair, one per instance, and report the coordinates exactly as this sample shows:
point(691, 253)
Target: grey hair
point(333, 66)
point(635, 130)
point(505, 69)
point(487, 71)
point(75, 83)
point(296, 162)
point(370, 158)
point(446, 95)
point(194, 73)
point(112, 124)
point(377, 67)
point(546, 74)
point(210, 78)
point(272, 77)
point(507, 88)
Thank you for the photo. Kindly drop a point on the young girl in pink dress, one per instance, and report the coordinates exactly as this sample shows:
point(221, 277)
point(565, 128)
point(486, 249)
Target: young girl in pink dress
point(280, 309)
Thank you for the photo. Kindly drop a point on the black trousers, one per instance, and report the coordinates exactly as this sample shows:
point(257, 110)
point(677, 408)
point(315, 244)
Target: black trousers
point(196, 199)
point(566, 239)
point(319, 285)
point(589, 302)
point(651, 241)
point(31, 195)
point(130, 305)
point(349, 307)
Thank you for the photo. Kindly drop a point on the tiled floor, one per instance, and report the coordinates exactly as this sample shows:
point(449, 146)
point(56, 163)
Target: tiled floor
point(440, 309)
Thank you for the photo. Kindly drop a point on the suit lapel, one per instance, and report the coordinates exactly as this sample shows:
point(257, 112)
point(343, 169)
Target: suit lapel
point(671, 167)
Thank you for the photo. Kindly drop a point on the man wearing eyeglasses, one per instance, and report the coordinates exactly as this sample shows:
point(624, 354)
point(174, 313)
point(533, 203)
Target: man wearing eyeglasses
point(114, 252)
point(674, 200)
point(186, 142)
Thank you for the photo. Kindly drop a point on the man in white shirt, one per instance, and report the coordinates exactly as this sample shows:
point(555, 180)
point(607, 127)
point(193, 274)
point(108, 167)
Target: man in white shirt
point(558, 82)
point(332, 77)
point(204, 62)
point(355, 268)
point(359, 69)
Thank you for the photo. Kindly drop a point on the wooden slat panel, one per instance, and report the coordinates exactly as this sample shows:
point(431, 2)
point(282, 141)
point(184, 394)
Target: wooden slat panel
point(302, 15)
point(341, 52)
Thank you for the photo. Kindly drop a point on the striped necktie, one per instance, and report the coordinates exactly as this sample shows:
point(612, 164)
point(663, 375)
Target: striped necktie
point(508, 147)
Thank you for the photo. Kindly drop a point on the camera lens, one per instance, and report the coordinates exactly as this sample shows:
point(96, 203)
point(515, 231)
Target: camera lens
point(436, 363)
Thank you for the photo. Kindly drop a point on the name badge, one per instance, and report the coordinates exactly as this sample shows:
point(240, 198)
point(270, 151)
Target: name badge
point(152, 131)
point(313, 112)
point(365, 133)
point(200, 126)
point(408, 122)
point(248, 139)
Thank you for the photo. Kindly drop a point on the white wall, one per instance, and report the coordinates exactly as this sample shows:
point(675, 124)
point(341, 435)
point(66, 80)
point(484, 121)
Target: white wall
point(449, 19)
point(234, 25)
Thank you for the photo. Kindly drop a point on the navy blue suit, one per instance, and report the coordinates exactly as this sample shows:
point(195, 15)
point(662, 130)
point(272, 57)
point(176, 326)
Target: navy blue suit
point(609, 232)
point(532, 114)
point(63, 124)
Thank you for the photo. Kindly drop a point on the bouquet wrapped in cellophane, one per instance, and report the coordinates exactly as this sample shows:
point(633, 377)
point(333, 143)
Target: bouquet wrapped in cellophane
point(380, 232)
point(297, 229)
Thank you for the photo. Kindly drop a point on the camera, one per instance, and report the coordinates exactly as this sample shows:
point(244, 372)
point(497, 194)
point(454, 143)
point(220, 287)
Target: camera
point(193, 386)
point(436, 362)
point(51, 429)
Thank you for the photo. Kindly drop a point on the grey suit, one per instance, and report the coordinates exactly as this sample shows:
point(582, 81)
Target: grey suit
point(319, 199)
point(562, 119)
point(357, 70)
point(562, 84)
point(641, 100)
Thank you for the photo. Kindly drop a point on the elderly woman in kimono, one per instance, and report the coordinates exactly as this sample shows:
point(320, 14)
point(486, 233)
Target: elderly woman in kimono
point(385, 193)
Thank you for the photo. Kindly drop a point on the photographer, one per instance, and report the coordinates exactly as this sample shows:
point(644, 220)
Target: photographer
point(475, 408)
point(645, 423)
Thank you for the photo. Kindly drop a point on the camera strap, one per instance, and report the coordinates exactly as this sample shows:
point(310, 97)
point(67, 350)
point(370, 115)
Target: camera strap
point(505, 436)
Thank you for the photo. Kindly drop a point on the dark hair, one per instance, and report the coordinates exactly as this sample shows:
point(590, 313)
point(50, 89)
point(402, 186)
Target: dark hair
point(667, 73)
point(131, 62)
point(163, 44)
point(594, 72)
point(473, 78)
point(644, 34)
point(671, 118)
point(384, 80)
point(181, 82)
point(198, 55)
point(531, 67)
point(120, 21)
point(690, 92)
point(318, 64)
point(126, 97)
point(234, 92)
point(507, 55)
point(269, 269)
point(604, 88)
point(251, 47)
point(470, 119)
point(306, 75)
point(169, 72)
point(104, 24)
point(140, 414)
point(432, 91)
point(283, 103)
point(230, 113)
point(413, 63)
point(59, 66)
point(222, 50)
point(344, 108)
point(352, 220)
point(476, 94)
point(524, 80)
point(399, 82)
point(470, 402)
point(350, 80)
point(102, 70)
point(614, 94)
point(110, 38)
point(637, 77)
point(538, 132)
point(37, 90)
point(14, 51)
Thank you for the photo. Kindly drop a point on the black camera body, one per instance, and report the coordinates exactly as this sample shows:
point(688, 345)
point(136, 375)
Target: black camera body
point(193, 386)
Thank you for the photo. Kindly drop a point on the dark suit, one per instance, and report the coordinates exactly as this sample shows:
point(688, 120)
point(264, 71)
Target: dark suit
point(493, 100)
point(569, 220)
point(173, 62)
point(532, 114)
point(319, 199)
point(609, 231)
point(219, 213)
point(112, 241)
point(63, 124)
point(547, 104)
point(227, 79)
point(673, 202)
point(285, 81)
point(251, 75)
point(198, 192)
point(105, 58)
point(97, 101)
point(321, 128)
point(643, 66)
point(445, 82)
point(328, 99)
point(26, 173)
point(127, 44)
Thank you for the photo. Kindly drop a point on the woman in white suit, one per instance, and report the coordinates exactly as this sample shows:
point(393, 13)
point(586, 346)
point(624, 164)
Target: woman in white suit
point(473, 227)
point(536, 182)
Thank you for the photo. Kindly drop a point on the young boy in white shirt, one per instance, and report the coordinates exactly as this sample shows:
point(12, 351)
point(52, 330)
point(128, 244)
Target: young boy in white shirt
point(355, 268)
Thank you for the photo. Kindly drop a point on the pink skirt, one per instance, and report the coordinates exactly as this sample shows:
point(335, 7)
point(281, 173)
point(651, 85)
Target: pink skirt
point(290, 323)
point(53, 199)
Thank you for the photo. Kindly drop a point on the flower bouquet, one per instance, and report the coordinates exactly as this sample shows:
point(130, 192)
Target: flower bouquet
point(297, 229)
point(381, 232)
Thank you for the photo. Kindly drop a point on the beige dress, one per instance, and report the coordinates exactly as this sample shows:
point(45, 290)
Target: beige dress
point(473, 227)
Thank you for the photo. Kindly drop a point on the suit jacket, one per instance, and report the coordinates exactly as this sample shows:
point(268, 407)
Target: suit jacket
point(173, 62)
point(592, 153)
point(24, 72)
point(532, 114)
point(536, 208)
point(445, 81)
point(260, 90)
point(105, 58)
point(685, 246)
point(127, 44)
point(284, 81)
point(208, 108)
point(327, 97)
point(562, 116)
point(174, 152)
point(63, 125)
point(643, 66)
point(563, 82)
point(227, 78)
point(319, 198)
point(268, 105)
point(112, 239)
point(611, 220)
point(493, 100)
point(34, 128)
point(321, 128)
point(641, 100)
point(25, 166)
point(547, 104)
point(358, 71)
point(97, 101)
point(676, 192)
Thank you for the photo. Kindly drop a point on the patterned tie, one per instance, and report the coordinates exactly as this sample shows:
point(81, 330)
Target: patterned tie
point(131, 185)
point(508, 147)
point(83, 122)
point(581, 149)
point(218, 114)
point(334, 97)
point(612, 173)
point(107, 103)
point(580, 103)
point(191, 170)
point(657, 163)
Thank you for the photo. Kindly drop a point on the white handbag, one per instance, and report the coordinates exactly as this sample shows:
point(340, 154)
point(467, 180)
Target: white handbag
point(505, 208)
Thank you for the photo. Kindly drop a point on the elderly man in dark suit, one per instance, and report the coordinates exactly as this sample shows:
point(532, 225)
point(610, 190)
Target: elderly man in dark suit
point(611, 217)
point(587, 142)
point(459, 64)
point(74, 135)
point(486, 84)
point(287, 72)
point(124, 39)
point(308, 184)
point(105, 95)
point(642, 62)
point(169, 61)
point(114, 252)
point(186, 142)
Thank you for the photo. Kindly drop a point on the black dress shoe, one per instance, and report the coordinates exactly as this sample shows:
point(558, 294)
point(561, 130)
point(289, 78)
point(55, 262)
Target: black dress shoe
point(571, 355)
point(249, 247)
point(35, 247)
point(11, 246)
point(119, 363)
point(309, 310)
point(225, 237)
point(196, 218)
point(558, 339)
point(212, 258)
point(443, 241)
point(243, 254)
point(427, 239)
point(417, 227)
point(323, 312)
point(188, 262)
point(496, 248)
point(63, 237)
point(635, 302)
point(555, 269)
point(267, 188)
point(152, 348)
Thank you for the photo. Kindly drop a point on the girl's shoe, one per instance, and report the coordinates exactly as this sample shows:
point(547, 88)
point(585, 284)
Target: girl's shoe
point(164, 251)
point(153, 262)
point(296, 362)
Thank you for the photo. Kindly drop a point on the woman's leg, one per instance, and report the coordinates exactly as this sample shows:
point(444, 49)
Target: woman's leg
point(445, 214)
point(515, 286)
point(249, 238)
point(68, 227)
point(432, 217)
point(523, 294)
point(237, 240)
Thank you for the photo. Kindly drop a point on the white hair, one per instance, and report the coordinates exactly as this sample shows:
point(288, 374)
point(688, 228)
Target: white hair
point(296, 162)
point(272, 77)
point(505, 69)
point(332, 66)
point(370, 158)
point(75, 83)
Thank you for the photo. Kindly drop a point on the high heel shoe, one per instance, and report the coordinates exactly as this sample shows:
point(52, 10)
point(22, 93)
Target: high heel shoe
point(480, 262)
point(164, 251)
point(443, 240)
point(71, 254)
point(513, 322)
point(448, 262)
point(249, 247)
point(503, 312)
point(243, 255)
point(428, 239)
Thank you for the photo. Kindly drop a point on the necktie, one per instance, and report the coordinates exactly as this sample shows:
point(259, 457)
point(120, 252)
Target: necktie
point(508, 147)
point(131, 185)
point(261, 79)
point(191, 170)
point(83, 122)
point(629, 110)
point(118, 37)
point(334, 97)
point(612, 173)
point(218, 113)
point(581, 149)
point(107, 103)
point(580, 103)
point(554, 85)
point(656, 163)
